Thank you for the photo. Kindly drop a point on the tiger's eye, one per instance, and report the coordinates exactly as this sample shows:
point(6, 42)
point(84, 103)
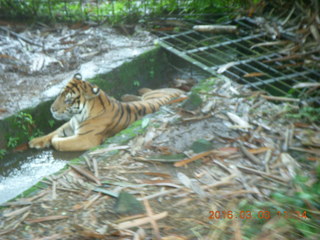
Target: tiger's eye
point(68, 101)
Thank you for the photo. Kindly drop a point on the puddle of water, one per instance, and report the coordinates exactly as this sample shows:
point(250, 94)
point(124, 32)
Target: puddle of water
point(19, 171)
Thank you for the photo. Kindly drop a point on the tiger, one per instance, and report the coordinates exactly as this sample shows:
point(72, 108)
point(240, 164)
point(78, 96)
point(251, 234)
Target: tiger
point(94, 116)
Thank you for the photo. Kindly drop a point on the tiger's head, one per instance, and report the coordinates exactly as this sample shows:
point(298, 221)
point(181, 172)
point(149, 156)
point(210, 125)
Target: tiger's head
point(73, 98)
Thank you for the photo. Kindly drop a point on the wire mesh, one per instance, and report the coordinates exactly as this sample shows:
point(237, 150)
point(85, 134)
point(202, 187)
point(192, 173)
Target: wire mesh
point(244, 58)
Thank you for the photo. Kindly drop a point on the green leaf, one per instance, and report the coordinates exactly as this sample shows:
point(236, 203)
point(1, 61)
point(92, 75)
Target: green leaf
point(201, 145)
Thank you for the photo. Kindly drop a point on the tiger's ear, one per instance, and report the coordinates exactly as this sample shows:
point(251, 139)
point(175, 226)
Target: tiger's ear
point(77, 76)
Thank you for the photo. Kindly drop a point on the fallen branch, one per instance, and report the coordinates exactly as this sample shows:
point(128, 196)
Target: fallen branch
point(16, 212)
point(152, 221)
point(254, 74)
point(263, 174)
point(290, 57)
point(15, 224)
point(159, 194)
point(192, 159)
point(307, 85)
point(197, 118)
point(215, 28)
point(16, 35)
point(258, 150)
point(265, 44)
point(141, 221)
point(312, 151)
point(248, 154)
point(284, 99)
point(86, 173)
point(237, 193)
point(55, 236)
point(236, 229)
point(45, 219)
point(176, 100)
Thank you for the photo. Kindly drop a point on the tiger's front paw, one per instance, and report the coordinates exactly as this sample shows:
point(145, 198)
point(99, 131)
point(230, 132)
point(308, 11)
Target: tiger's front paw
point(40, 142)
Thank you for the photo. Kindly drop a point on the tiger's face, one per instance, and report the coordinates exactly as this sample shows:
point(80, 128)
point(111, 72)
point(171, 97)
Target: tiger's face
point(73, 98)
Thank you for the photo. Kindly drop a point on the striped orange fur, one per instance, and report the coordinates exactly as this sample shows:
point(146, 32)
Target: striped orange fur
point(93, 116)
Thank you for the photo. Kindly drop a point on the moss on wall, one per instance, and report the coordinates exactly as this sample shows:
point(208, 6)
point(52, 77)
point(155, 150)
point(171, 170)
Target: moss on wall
point(43, 122)
point(149, 69)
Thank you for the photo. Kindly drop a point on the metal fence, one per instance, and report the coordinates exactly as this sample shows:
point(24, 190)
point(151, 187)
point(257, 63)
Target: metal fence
point(245, 58)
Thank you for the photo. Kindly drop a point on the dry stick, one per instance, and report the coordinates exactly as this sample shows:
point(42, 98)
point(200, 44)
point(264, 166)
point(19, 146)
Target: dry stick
point(40, 195)
point(16, 212)
point(292, 128)
point(215, 28)
point(87, 160)
point(16, 204)
point(197, 118)
point(95, 167)
point(86, 173)
point(221, 165)
point(177, 100)
point(267, 158)
point(141, 221)
point(312, 151)
point(238, 192)
point(25, 201)
point(15, 225)
point(152, 221)
point(258, 150)
point(263, 174)
point(55, 236)
point(194, 158)
point(236, 229)
point(63, 189)
point(289, 16)
point(54, 190)
point(45, 219)
point(257, 104)
point(286, 141)
point(159, 194)
point(18, 36)
point(90, 202)
point(248, 154)
point(124, 219)
point(284, 99)
point(259, 128)
point(290, 57)
point(226, 181)
point(87, 233)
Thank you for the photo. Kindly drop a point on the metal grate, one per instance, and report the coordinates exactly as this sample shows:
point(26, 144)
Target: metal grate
point(244, 59)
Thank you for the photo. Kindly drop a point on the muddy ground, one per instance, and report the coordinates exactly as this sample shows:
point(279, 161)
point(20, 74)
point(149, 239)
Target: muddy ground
point(228, 148)
point(36, 60)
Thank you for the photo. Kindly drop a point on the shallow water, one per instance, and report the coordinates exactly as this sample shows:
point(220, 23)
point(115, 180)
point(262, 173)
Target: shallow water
point(19, 171)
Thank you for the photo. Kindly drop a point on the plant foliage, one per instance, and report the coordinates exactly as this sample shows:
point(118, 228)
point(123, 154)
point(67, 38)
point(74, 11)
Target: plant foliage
point(113, 11)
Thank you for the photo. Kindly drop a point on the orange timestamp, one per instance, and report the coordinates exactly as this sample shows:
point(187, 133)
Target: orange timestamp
point(263, 214)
